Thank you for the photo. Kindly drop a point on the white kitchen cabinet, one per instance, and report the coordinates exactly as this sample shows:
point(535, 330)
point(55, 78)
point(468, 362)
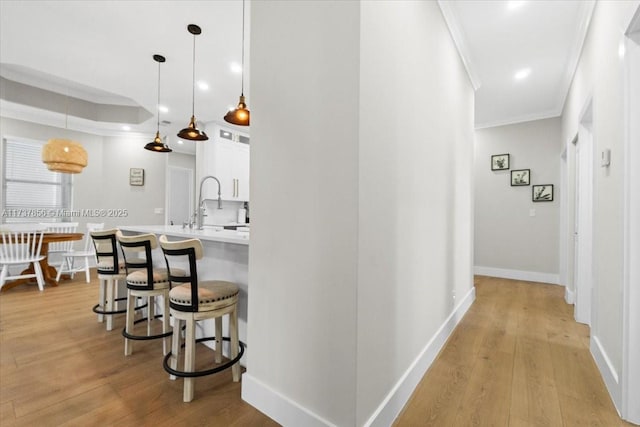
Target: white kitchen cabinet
point(228, 161)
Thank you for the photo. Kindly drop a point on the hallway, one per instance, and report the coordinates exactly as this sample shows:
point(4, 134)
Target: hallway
point(517, 358)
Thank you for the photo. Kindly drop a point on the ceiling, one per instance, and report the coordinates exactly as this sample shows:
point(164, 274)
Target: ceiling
point(93, 60)
point(497, 39)
point(101, 51)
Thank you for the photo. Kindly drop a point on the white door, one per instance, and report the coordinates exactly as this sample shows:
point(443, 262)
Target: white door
point(179, 195)
point(583, 233)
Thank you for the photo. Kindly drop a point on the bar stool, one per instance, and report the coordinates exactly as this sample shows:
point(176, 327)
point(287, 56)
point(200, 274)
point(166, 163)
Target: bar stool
point(144, 281)
point(110, 271)
point(191, 300)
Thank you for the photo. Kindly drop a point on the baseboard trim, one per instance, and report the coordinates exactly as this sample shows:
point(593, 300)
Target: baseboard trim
point(569, 296)
point(289, 413)
point(395, 400)
point(529, 276)
point(607, 370)
point(277, 406)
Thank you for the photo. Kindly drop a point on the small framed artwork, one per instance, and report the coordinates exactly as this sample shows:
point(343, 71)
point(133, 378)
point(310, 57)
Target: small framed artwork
point(520, 177)
point(499, 162)
point(542, 193)
point(136, 176)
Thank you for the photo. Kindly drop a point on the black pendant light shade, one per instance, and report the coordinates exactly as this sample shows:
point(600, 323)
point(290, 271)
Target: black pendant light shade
point(157, 145)
point(192, 133)
point(240, 116)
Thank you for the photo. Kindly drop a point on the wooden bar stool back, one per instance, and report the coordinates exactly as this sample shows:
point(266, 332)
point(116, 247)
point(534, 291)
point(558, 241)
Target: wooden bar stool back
point(144, 281)
point(191, 300)
point(111, 270)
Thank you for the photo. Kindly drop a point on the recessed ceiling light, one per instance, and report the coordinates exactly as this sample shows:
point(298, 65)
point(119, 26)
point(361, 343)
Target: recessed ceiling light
point(515, 4)
point(163, 109)
point(179, 141)
point(622, 49)
point(202, 85)
point(522, 74)
point(236, 68)
point(125, 127)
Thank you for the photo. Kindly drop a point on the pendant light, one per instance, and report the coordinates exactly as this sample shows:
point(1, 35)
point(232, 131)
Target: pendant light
point(240, 116)
point(191, 132)
point(157, 145)
point(64, 155)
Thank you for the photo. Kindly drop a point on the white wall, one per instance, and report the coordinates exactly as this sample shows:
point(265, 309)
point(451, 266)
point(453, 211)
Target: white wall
point(104, 183)
point(119, 155)
point(415, 191)
point(600, 73)
point(506, 236)
point(361, 205)
point(304, 208)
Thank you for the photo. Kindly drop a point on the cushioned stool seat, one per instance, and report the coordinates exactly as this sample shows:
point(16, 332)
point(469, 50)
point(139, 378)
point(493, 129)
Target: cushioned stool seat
point(212, 294)
point(191, 300)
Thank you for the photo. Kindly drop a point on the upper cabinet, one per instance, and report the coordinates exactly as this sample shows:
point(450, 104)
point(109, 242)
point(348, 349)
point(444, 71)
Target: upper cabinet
point(225, 156)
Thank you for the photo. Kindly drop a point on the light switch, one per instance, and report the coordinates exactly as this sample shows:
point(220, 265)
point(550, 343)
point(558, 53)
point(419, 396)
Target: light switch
point(605, 157)
point(158, 211)
point(532, 212)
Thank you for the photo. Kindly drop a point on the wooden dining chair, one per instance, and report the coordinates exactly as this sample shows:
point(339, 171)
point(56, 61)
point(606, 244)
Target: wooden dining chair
point(56, 249)
point(21, 247)
point(76, 261)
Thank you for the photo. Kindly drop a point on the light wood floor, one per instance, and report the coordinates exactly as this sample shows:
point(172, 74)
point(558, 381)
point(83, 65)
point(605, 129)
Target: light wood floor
point(59, 366)
point(516, 359)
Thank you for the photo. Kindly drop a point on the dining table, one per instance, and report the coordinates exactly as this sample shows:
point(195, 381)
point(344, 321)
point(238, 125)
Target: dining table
point(49, 272)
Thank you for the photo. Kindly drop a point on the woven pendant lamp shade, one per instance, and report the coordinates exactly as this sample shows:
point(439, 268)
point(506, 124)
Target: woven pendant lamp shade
point(64, 155)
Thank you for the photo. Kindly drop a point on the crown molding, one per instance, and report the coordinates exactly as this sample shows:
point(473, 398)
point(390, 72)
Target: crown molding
point(586, 12)
point(460, 41)
point(549, 114)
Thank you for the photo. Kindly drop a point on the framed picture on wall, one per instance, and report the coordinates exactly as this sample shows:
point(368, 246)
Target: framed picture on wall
point(136, 176)
point(499, 162)
point(520, 177)
point(542, 193)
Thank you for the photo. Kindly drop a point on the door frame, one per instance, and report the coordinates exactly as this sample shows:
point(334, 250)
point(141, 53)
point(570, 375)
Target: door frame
point(631, 275)
point(168, 192)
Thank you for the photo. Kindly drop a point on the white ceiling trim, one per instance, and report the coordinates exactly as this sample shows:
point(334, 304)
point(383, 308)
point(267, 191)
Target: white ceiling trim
point(549, 114)
point(27, 113)
point(459, 41)
point(586, 12)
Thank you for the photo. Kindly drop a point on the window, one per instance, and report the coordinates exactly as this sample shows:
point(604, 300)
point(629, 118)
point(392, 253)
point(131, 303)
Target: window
point(32, 193)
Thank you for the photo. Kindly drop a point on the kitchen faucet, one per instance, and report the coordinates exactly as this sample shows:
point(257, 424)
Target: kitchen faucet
point(201, 208)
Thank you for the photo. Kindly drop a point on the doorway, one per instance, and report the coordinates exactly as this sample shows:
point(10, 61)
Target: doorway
point(179, 195)
point(583, 221)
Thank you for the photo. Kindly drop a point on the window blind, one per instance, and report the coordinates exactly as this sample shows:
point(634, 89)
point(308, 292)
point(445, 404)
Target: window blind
point(32, 192)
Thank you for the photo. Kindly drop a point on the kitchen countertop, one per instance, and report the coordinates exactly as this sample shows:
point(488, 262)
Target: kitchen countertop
point(208, 233)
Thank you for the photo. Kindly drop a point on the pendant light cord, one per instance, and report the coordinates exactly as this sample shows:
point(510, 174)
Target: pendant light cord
point(158, 104)
point(242, 75)
point(193, 79)
point(66, 109)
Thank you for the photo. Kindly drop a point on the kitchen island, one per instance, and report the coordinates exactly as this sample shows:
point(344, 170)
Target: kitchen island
point(226, 257)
